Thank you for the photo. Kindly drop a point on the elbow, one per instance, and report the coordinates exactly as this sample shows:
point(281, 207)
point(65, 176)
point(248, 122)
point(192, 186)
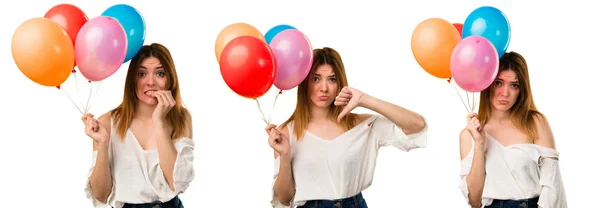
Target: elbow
point(284, 196)
point(101, 196)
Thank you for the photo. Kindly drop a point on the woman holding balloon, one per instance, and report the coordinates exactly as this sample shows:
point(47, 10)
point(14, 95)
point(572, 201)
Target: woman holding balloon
point(143, 151)
point(507, 151)
point(323, 146)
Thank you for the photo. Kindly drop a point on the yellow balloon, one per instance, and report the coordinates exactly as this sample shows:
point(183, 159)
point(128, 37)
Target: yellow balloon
point(233, 31)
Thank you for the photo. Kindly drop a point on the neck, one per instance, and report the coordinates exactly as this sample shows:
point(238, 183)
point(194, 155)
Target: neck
point(500, 116)
point(144, 111)
point(319, 114)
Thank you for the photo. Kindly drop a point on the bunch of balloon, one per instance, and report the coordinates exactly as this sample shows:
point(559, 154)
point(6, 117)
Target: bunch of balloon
point(251, 63)
point(467, 54)
point(47, 49)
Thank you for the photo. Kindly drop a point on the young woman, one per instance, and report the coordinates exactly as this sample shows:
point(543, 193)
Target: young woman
point(507, 150)
point(324, 154)
point(143, 149)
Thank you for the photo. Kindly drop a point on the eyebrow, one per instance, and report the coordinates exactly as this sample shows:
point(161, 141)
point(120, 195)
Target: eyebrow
point(160, 67)
point(317, 74)
point(515, 81)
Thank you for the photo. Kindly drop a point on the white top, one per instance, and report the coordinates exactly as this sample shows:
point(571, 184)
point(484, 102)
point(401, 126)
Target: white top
point(518, 171)
point(344, 166)
point(136, 173)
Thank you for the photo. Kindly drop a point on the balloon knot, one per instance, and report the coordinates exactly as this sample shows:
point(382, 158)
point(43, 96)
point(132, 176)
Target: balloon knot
point(280, 92)
point(89, 81)
point(73, 71)
point(449, 79)
point(58, 87)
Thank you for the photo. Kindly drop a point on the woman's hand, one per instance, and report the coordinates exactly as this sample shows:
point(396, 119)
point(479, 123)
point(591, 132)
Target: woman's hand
point(278, 141)
point(165, 104)
point(475, 128)
point(93, 129)
point(350, 98)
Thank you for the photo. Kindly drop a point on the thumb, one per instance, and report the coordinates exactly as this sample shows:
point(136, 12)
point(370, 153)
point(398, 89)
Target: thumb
point(345, 111)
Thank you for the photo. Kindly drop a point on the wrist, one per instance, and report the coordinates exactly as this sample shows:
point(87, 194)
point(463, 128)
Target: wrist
point(366, 101)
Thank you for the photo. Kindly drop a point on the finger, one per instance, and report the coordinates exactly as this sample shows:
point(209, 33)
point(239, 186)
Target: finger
point(159, 98)
point(342, 114)
point(345, 95)
point(342, 99)
point(340, 103)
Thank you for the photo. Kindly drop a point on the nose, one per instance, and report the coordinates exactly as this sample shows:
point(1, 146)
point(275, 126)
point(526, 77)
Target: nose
point(150, 81)
point(323, 87)
point(504, 91)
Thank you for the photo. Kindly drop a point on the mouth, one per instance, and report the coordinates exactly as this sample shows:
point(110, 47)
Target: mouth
point(149, 92)
point(503, 102)
point(323, 97)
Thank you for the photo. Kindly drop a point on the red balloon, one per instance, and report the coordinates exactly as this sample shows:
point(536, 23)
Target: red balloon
point(458, 27)
point(70, 17)
point(248, 66)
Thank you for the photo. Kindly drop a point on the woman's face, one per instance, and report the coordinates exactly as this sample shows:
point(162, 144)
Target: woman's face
point(505, 90)
point(322, 86)
point(151, 76)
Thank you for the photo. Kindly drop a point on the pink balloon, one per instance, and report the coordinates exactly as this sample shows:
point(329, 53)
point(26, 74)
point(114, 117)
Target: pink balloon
point(293, 55)
point(474, 63)
point(100, 48)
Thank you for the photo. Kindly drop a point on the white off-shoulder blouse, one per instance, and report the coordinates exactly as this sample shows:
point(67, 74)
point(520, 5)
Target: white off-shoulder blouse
point(518, 171)
point(344, 166)
point(136, 173)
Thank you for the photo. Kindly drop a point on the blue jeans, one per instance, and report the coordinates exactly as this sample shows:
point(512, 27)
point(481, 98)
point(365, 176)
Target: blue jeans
point(173, 203)
point(521, 203)
point(356, 201)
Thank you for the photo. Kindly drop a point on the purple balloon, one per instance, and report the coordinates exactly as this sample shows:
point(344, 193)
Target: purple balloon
point(474, 63)
point(293, 55)
point(100, 48)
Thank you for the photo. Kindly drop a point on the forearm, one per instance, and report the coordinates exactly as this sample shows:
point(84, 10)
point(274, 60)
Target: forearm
point(284, 184)
point(101, 178)
point(167, 154)
point(405, 119)
point(476, 176)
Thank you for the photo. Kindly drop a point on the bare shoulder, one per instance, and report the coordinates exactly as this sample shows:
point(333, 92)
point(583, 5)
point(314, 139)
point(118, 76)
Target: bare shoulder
point(189, 123)
point(104, 120)
point(466, 142)
point(363, 117)
point(544, 136)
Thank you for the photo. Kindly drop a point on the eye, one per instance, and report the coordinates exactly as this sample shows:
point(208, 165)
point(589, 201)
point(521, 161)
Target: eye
point(332, 79)
point(141, 74)
point(316, 79)
point(516, 86)
point(497, 83)
point(161, 74)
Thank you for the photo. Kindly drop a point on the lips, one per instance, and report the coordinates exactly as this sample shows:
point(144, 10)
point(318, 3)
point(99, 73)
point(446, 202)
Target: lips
point(503, 102)
point(149, 91)
point(323, 98)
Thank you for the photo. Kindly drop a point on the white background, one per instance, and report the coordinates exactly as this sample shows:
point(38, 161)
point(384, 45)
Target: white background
point(45, 154)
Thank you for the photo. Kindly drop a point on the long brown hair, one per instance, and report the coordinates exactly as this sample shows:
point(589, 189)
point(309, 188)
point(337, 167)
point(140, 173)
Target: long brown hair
point(178, 116)
point(522, 113)
point(301, 115)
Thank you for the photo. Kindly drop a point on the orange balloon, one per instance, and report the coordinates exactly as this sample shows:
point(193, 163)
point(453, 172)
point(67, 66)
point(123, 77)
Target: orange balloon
point(233, 31)
point(432, 43)
point(43, 51)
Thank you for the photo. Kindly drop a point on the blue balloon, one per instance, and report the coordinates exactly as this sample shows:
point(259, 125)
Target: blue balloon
point(490, 23)
point(133, 24)
point(276, 30)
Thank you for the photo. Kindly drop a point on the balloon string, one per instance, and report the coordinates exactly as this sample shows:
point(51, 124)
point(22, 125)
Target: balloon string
point(461, 100)
point(89, 105)
point(261, 112)
point(268, 120)
point(61, 89)
point(77, 86)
